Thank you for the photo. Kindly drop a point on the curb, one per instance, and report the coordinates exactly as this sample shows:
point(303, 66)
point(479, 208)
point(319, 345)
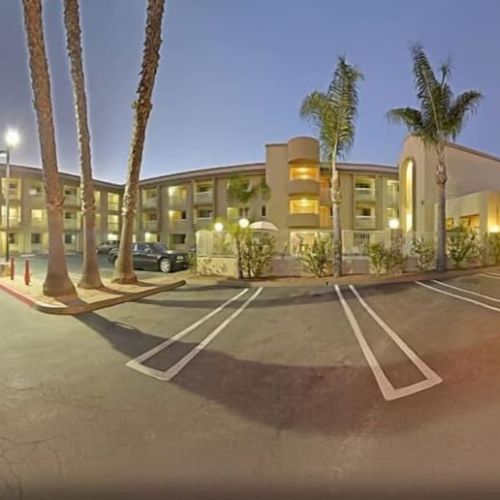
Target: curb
point(86, 307)
point(329, 280)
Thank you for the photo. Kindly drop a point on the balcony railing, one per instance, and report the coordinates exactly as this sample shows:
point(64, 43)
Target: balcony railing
point(150, 225)
point(364, 193)
point(178, 226)
point(177, 201)
point(365, 222)
point(204, 222)
point(72, 224)
point(72, 200)
point(204, 197)
point(150, 202)
point(113, 226)
point(13, 221)
point(39, 222)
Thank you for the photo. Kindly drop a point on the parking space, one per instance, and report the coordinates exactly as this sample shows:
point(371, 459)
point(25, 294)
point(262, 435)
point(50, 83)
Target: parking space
point(341, 389)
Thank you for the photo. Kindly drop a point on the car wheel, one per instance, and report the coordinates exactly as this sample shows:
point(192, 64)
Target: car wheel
point(165, 265)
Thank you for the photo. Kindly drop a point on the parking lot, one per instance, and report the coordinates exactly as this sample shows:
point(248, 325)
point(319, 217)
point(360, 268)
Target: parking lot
point(389, 391)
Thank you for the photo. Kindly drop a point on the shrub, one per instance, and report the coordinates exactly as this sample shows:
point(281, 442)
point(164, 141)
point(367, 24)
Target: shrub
point(490, 250)
point(315, 258)
point(424, 253)
point(376, 254)
point(462, 244)
point(386, 259)
point(256, 254)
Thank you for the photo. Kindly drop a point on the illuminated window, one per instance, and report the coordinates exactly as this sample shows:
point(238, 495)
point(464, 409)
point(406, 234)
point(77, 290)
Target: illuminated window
point(450, 223)
point(37, 215)
point(304, 206)
point(304, 172)
point(472, 221)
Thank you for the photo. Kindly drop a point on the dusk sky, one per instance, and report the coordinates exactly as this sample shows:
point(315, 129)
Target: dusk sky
point(233, 74)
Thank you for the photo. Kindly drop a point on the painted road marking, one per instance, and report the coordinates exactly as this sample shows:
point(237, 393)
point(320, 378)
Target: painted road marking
point(459, 297)
point(470, 292)
point(389, 392)
point(155, 350)
point(175, 369)
point(490, 275)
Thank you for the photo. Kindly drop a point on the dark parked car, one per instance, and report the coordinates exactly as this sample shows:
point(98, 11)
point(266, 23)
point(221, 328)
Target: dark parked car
point(106, 246)
point(154, 257)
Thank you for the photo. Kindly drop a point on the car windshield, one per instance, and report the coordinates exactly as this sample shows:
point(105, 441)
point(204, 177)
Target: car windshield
point(158, 247)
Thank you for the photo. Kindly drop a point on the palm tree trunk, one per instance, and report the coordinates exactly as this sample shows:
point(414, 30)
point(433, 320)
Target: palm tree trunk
point(57, 281)
point(124, 270)
point(441, 178)
point(337, 227)
point(90, 272)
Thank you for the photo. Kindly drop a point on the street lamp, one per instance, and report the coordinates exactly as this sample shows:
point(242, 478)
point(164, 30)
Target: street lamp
point(219, 227)
point(12, 139)
point(244, 223)
point(394, 223)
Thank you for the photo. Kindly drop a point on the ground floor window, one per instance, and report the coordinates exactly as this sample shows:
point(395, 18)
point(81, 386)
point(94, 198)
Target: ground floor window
point(69, 238)
point(13, 238)
point(178, 239)
point(36, 239)
point(472, 221)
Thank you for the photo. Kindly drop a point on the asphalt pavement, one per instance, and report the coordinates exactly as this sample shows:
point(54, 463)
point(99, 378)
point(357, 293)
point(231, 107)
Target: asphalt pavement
point(279, 393)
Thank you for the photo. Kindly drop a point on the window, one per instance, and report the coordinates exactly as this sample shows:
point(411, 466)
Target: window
point(205, 188)
point(150, 193)
point(69, 215)
point(472, 221)
point(304, 206)
point(69, 238)
point(70, 191)
point(450, 223)
point(36, 189)
point(263, 210)
point(178, 239)
point(243, 212)
point(37, 214)
point(304, 172)
point(205, 213)
point(113, 201)
point(13, 237)
point(36, 239)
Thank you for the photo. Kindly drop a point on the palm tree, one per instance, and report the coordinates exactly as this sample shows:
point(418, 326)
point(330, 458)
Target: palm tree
point(124, 271)
point(90, 272)
point(241, 192)
point(439, 119)
point(57, 281)
point(334, 113)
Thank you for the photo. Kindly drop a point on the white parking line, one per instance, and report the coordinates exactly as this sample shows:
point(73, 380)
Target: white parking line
point(470, 292)
point(386, 388)
point(459, 297)
point(136, 362)
point(175, 369)
point(490, 275)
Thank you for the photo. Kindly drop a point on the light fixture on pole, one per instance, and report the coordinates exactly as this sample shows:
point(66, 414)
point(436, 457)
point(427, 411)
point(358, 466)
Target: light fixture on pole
point(244, 223)
point(394, 223)
point(219, 227)
point(12, 139)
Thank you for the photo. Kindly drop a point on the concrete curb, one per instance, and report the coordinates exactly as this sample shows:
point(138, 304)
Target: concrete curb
point(72, 310)
point(345, 280)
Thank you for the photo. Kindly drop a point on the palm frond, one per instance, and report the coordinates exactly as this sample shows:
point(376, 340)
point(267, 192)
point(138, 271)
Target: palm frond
point(465, 104)
point(410, 117)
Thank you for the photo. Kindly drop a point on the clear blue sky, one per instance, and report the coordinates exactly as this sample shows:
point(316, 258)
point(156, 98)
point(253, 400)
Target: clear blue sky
point(233, 73)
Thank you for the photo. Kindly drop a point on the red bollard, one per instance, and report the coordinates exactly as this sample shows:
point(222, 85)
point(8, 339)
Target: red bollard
point(27, 276)
point(12, 268)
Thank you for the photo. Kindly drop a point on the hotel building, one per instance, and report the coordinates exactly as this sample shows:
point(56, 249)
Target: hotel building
point(173, 207)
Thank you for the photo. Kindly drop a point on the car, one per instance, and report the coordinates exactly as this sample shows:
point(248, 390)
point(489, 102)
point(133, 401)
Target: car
point(107, 246)
point(154, 257)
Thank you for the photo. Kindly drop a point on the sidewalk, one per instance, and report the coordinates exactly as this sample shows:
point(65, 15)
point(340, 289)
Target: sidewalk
point(86, 300)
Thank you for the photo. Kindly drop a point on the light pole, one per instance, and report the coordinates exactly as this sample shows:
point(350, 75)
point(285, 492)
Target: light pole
point(12, 140)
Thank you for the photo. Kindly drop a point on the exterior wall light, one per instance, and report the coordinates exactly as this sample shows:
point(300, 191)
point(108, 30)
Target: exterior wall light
point(244, 223)
point(393, 223)
point(495, 229)
point(219, 227)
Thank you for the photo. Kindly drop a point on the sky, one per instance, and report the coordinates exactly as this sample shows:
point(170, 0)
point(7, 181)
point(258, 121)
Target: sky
point(233, 74)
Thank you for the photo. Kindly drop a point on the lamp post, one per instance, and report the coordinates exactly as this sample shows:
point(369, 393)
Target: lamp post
point(12, 140)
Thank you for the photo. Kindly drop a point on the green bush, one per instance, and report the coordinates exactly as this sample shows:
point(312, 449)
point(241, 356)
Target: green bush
point(424, 253)
point(256, 254)
point(462, 245)
point(316, 257)
point(387, 259)
point(490, 249)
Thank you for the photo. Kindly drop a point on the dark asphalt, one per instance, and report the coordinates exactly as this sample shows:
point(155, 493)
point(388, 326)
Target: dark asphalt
point(282, 404)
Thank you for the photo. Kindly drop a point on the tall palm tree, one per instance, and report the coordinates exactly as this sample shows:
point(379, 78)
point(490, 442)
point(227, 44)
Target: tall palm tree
point(90, 272)
point(57, 281)
point(334, 113)
point(439, 119)
point(241, 192)
point(124, 270)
